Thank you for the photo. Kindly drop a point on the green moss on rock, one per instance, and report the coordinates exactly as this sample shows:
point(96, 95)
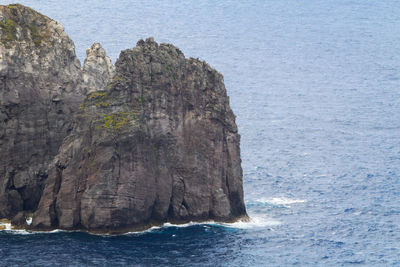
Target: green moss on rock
point(99, 99)
point(37, 38)
point(116, 121)
point(14, 6)
point(9, 29)
point(25, 20)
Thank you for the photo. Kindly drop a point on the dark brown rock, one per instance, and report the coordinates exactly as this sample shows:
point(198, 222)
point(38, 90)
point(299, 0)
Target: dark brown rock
point(19, 220)
point(159, 144)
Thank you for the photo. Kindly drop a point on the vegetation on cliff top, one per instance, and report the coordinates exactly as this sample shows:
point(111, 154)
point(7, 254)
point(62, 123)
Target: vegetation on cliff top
point(21, 19)
point(111, 120)
point(9, 29)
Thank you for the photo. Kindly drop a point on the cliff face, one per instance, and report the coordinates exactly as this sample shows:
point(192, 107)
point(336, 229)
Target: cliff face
point(40, 84)
point(111, 149)
point(158, 144)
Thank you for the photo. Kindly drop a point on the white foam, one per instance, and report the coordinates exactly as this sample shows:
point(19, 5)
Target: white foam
point(19, 231)
point(6, 225)
point(166, 225)
point(255, 221)
point(9, 228)
point(281, 201)
point(153, 228)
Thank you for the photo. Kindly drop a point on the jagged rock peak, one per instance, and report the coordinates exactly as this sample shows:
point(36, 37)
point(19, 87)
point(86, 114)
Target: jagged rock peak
point(20, 23)
point(159, 144)
point(46, 50)
point(98, 69)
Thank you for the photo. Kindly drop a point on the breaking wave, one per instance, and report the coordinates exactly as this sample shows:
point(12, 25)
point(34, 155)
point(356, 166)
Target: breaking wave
point(284, 201)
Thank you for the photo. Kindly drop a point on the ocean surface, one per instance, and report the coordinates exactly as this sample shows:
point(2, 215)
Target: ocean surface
point(315, 86)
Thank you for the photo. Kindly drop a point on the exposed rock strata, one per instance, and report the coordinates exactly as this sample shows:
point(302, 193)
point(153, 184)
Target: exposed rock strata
point(40, 83)
point(159, 144)
point(41, 86)
point(154, 140)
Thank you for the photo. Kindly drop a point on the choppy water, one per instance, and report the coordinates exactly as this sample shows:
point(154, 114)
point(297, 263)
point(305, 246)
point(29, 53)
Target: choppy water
point(315, 86)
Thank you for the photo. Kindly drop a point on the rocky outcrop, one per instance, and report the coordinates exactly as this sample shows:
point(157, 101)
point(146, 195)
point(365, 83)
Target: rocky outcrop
point(158, 144)
point(98, 69)
point(110, 149)
point(40, 87)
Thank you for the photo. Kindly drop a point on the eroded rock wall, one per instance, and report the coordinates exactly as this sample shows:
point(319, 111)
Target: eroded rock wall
point(40, 86)
point(111, 149)
point(159, 144)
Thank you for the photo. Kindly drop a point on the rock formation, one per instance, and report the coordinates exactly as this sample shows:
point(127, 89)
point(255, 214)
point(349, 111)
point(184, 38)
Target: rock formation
point(159, 144)
point(98, 69)
point(153, 141)
point(40, 84)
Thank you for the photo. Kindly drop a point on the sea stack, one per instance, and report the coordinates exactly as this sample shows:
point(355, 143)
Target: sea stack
point(152, 141)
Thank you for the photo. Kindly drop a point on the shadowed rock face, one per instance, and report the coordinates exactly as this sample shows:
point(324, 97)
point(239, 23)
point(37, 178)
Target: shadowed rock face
point(159, 144)
point(40, 84)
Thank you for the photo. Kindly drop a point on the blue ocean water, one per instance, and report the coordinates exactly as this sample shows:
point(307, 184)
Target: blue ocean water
point(315, 86)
